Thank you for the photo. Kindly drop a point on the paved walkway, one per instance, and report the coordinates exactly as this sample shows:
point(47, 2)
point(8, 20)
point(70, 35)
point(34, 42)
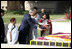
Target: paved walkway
point(64, 27)
point(29, 46)
point(59, 19)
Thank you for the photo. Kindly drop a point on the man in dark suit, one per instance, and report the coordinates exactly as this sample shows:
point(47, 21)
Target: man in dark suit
point(24, 30)
point(2, 31)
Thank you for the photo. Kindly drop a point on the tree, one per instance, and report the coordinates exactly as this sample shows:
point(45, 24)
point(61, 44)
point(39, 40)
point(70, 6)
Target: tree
point(23, 5)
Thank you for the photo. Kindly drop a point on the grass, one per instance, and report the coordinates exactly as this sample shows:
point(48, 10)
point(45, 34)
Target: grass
point(56, 16)
point(16, 14)
point(7, 18)
point(19, 15)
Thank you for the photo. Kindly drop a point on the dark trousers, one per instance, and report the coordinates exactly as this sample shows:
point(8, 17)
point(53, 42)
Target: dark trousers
point(24, 38)
point(42, 32)
point(2, 38)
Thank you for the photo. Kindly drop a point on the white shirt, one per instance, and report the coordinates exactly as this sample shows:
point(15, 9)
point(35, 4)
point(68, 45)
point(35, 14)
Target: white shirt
point(14, 33)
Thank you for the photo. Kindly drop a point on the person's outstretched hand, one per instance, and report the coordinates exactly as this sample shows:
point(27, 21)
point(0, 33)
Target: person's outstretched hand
point(40, 29)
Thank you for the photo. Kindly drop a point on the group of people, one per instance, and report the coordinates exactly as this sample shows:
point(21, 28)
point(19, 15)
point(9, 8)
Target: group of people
point(28, 30)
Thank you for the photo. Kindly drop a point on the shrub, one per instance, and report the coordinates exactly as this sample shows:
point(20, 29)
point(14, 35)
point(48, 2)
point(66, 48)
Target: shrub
point(68, 10)
point(16, 12)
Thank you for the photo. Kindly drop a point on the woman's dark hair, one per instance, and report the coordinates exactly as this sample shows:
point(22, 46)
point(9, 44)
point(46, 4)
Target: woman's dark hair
point(2, 11)
point(47, 16)
point(12, 19)
point(35, 8)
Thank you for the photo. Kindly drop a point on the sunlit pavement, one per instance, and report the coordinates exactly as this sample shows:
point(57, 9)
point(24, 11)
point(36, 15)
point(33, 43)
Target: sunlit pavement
point(64, 27)
point(28, 46)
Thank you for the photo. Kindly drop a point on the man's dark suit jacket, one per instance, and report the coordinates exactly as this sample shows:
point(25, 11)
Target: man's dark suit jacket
point(27, 23)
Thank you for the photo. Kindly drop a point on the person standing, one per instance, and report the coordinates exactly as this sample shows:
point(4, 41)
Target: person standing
point(37, 16)
point(12, 34)
point(43, 11)
point(34, 31)
point(2, 31)
point(25, 34)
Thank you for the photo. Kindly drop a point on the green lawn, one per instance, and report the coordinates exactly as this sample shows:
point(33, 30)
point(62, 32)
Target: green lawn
point(56, 16)
point(7, 17)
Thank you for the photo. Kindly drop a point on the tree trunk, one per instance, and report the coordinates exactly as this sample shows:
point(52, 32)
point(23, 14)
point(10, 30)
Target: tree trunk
point(23, 5)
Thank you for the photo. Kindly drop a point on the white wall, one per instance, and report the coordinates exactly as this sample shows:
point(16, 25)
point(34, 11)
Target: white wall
point(4, 4)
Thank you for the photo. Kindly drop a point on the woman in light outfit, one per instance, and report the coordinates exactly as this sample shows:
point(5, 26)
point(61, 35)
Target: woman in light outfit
point(12, 34)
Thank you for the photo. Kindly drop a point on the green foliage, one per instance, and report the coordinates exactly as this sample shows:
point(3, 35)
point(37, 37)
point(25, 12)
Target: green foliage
point(20, 12)
point(16, 12)
point(68, 10)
